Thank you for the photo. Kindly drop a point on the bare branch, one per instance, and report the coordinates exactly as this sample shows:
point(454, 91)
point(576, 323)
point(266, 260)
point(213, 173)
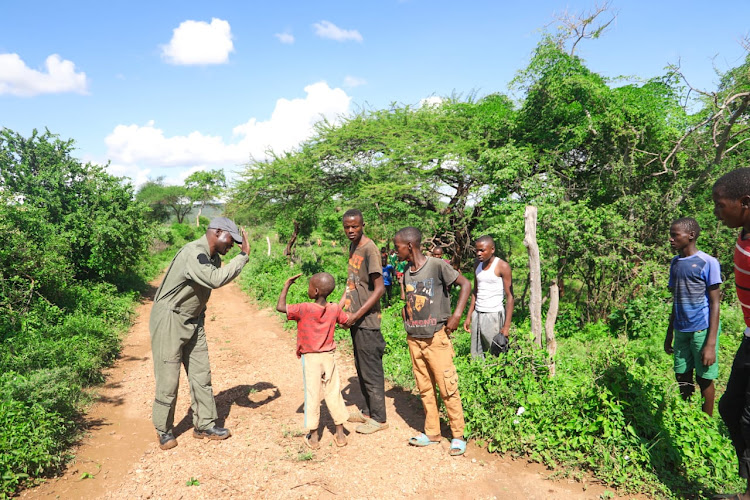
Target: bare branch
point(581, 26)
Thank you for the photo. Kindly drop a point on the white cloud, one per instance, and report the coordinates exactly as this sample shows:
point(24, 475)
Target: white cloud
point(286, 38)
point(198, 42)
point(136, 174)
point(354, 81)
point(138, 147)
point(60, 76)
point(326, 29)
point(433, 100)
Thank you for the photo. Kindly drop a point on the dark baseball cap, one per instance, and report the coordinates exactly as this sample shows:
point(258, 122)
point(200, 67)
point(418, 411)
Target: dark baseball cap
point(226, 225)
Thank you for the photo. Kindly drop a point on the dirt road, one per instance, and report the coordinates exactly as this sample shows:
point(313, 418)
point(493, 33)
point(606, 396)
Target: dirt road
point(258, 386)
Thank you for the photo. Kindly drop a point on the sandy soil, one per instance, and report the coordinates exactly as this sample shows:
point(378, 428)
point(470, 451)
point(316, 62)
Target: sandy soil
point(258, 386)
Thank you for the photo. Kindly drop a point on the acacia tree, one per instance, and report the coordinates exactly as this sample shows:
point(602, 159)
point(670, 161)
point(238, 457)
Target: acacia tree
point(288, 190)
point(426, 162)
point(165, 200)
point(204, 187)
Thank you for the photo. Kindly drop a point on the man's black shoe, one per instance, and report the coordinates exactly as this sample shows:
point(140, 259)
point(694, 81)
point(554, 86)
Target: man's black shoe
point(214, 432)
point(166, 440)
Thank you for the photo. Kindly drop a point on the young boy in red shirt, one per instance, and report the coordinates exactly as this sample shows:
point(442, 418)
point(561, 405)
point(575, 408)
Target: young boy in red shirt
point(316, 322)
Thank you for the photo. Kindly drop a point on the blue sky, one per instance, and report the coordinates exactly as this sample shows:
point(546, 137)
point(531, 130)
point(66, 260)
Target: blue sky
point(165, 88)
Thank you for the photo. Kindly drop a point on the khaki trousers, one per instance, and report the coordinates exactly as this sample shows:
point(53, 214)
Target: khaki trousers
point(432, 364)
point(321, 377)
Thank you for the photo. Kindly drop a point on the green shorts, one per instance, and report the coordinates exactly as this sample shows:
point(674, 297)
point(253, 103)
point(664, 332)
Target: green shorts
point(687, 354)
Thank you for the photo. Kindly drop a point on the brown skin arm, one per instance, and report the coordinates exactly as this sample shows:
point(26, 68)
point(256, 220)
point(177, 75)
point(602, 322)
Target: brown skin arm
point(281, 303)
point(378, 290)
point(504, 272)
point(463, 296)
point(245, 246)
point(708, 354)
point(668, 340)
point(467, 322)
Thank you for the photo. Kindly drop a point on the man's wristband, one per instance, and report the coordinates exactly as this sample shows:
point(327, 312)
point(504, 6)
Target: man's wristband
point(243, 253)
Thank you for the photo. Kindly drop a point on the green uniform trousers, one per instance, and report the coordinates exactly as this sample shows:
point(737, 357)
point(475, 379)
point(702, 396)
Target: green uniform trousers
point(180, 340)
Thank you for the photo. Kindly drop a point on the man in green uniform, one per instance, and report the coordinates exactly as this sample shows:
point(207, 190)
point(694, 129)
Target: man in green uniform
point(176, 325)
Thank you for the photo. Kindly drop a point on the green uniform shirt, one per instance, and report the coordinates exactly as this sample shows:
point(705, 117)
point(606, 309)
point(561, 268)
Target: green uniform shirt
point(192, 275)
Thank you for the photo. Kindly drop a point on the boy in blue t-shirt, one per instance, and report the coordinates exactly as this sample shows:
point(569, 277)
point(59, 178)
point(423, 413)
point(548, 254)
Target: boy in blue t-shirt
point(694, 279)
point(388, 271)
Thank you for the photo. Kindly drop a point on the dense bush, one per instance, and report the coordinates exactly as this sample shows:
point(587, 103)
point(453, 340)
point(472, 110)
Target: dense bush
point(72, 245)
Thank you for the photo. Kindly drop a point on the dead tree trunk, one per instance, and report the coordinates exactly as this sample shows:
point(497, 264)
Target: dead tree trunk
point(549, 326)
point(535, 274)
point(292, 239)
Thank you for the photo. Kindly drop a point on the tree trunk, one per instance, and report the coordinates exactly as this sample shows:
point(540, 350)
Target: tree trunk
point(535, 301)
point(198, 217)
point(268, 242)
point(549, 326)
point(292, 240)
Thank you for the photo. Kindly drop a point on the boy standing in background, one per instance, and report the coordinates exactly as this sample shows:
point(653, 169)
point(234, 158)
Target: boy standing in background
point(388, 275)
point(694, 279)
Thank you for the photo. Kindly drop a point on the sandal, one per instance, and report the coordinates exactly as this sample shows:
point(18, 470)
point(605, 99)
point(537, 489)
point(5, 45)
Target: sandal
point(370, 426)
point(422, 440)
point(458, 447)
point(309, 444)
point(340, 444)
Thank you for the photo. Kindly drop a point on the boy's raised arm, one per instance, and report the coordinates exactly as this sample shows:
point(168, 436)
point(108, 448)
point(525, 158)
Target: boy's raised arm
point(281, 303)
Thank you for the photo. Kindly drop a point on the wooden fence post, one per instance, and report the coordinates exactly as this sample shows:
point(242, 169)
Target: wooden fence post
point(535, 274)
point(549, 325)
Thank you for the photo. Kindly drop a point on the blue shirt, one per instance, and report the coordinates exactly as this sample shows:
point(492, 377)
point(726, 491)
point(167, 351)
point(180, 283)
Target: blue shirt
point(689, 280)
point(387, 275)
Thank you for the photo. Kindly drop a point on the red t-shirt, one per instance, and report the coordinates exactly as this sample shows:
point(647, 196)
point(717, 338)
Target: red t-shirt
point(742, 275)
point(315, 325)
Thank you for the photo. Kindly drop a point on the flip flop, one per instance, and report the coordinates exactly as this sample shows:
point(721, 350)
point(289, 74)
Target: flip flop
point(309, 444)
point(458, 447)
point(339, 444)
point(421, 440)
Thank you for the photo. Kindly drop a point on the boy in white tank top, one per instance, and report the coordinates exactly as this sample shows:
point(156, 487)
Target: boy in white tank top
point(488, 315)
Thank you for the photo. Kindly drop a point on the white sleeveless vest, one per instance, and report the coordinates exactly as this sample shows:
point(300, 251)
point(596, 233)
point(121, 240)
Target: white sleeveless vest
point(490, 290)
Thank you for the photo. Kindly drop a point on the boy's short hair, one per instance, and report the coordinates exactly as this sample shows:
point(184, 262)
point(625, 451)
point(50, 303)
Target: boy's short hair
point(410, 234)
point(485, 239)
point(688, 224)
point(324, 282)
point(735, 184)
point(353, 212)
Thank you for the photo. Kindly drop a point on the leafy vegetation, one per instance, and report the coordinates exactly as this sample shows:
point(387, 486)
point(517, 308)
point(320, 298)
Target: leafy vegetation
point(72, 243)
